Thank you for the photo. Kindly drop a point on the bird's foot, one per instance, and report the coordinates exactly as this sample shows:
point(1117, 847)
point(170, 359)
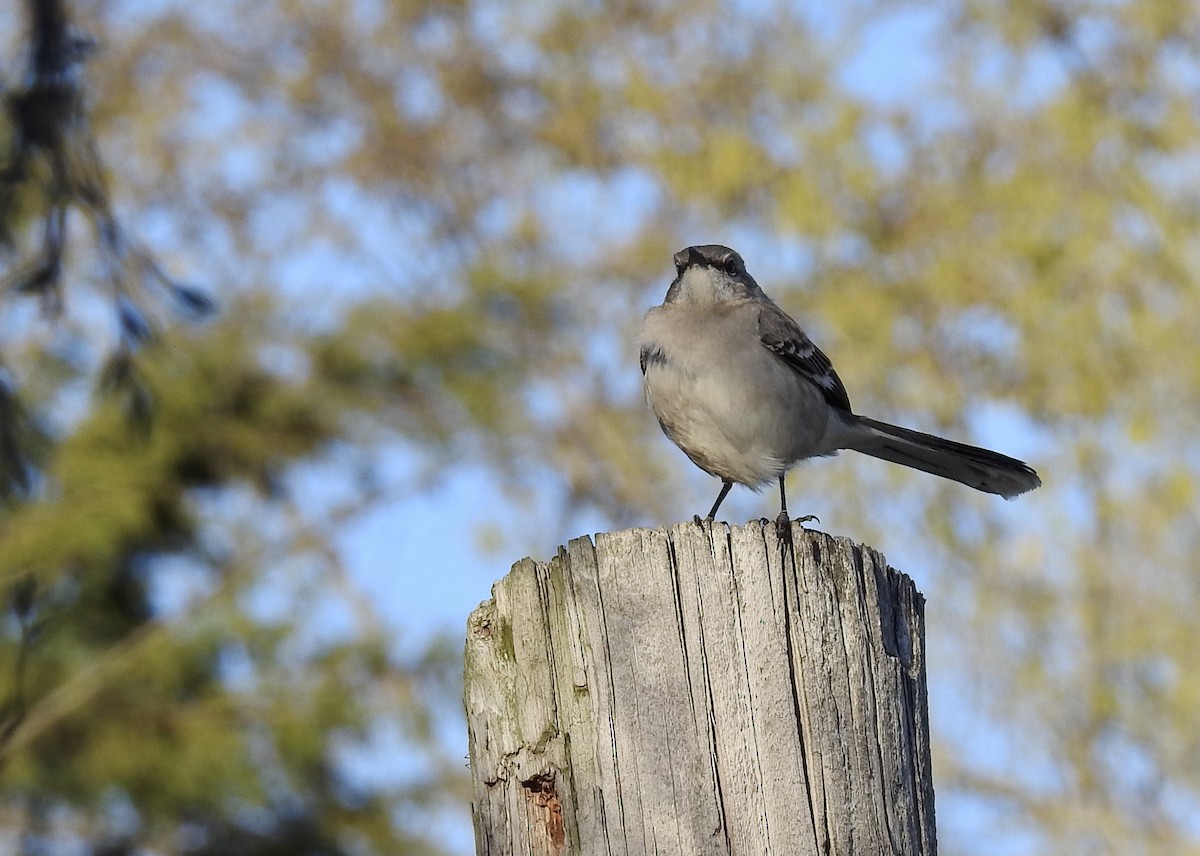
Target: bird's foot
point(783, 524)
point(783, 527)
point(783, 519)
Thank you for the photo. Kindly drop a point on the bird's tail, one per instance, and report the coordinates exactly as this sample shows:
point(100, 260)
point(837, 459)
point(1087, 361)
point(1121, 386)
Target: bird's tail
point(978, 468)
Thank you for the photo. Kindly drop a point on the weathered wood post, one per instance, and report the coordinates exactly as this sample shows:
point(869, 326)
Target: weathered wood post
point(701, 690)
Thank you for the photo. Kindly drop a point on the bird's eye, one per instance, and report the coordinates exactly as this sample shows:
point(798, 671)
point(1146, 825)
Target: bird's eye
point(729, 264)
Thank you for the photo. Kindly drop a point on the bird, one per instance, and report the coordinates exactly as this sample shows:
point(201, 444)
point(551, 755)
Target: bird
point(742, 390)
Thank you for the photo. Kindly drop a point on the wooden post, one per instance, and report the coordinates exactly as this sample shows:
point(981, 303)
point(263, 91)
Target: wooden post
point(701, 690)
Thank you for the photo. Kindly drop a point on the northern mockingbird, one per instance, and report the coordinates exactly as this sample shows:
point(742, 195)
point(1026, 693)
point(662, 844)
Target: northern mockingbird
point(739, 387)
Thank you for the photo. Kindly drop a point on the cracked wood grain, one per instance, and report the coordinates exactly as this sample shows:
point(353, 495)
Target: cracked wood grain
point(701, 690)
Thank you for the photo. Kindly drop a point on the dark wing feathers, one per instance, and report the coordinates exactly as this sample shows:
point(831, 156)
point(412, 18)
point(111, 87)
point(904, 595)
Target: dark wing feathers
point(651, 356)
point(783, 337)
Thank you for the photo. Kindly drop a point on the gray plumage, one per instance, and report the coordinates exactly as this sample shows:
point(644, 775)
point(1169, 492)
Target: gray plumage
point(740, 388)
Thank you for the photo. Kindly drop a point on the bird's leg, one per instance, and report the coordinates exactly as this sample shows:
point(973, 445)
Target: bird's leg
point(783, 522)
point(720, 498)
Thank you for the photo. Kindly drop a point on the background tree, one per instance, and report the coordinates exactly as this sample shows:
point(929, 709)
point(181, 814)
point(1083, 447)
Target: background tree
point(433, 228)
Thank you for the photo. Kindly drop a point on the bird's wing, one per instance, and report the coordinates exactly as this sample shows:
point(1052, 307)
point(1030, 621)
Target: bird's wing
point(783, 337)
point(651, 355)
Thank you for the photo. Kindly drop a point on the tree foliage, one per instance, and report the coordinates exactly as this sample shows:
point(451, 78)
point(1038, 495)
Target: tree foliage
point(437, 224)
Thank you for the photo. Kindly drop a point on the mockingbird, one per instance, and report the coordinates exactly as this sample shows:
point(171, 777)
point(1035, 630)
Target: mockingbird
point(739, 387)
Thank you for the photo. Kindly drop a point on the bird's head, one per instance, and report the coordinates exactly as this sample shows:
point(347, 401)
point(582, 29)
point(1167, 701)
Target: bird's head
point(710, 273)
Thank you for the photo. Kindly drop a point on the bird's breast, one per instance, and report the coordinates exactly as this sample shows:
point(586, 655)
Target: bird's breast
point(731, 405)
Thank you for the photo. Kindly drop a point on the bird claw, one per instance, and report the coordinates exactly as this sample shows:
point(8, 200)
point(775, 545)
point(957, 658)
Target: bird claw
point(783, 527)
point(783, 524)
point(784, 520)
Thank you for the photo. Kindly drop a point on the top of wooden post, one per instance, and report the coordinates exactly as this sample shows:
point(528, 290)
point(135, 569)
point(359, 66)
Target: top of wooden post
point(701, 689)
